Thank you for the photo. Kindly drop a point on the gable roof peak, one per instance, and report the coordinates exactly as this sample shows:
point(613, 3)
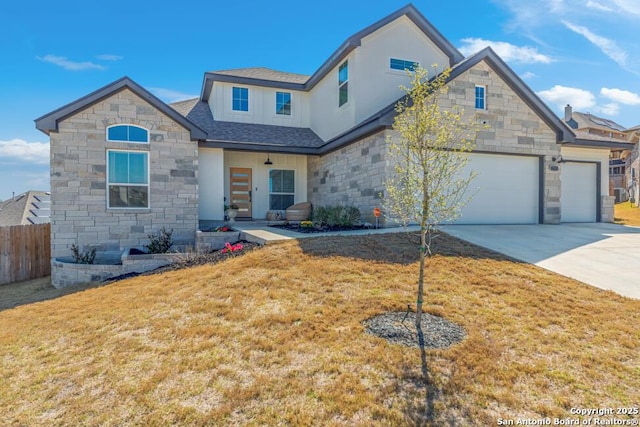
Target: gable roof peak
point(49, 122)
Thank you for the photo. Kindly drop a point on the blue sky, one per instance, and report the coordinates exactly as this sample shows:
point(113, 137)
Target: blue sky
point(583, 52)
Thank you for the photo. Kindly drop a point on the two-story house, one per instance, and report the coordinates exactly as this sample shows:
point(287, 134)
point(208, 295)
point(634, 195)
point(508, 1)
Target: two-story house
point(590, 126)
point(125, 164)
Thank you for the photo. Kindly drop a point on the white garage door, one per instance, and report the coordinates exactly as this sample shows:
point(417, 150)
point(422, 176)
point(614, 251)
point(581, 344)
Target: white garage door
point(578, 192)
point(505, 190)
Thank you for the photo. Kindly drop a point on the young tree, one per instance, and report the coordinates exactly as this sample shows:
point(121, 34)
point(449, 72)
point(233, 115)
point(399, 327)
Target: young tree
point(429, 150)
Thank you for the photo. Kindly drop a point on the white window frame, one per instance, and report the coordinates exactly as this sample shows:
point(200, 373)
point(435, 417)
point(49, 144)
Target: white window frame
point(127, 141)
point(344, 83)
point(278, 193)
point(248, 110)
point(484, 100)
point(393, 70)
point(148, 184)
point(290, 104)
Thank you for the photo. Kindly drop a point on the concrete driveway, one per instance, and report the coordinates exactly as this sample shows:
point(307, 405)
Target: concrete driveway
point(603, 255)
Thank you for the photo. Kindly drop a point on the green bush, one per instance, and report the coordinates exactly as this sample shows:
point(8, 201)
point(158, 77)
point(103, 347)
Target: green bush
point(336, 216)
point(160, 243)
point(86, 258)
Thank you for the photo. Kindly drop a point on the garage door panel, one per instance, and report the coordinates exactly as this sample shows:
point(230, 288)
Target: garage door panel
point(578, 192)
point(504, 191)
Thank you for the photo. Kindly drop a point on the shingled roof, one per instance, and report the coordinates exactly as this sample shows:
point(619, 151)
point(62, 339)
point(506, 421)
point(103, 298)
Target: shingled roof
point(247, 135)
point(32, 207)
point(263, 73)
point(271, 78)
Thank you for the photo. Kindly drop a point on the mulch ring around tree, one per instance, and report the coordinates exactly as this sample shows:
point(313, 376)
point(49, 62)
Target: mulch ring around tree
point(398, 327)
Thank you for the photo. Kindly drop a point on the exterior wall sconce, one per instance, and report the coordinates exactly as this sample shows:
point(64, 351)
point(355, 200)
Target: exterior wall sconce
point(268, 161)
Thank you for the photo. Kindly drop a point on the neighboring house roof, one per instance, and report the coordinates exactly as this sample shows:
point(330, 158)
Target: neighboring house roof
point(588, 120)
point(248, 136)
point(49, 122)
point(273, 78)
point(32, 207)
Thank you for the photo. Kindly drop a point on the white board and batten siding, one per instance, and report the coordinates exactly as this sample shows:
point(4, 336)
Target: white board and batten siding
point(506, 190)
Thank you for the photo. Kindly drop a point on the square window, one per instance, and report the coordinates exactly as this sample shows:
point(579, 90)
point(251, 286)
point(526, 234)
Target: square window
point(240, 101)
point(481, 98)
point(283, 103)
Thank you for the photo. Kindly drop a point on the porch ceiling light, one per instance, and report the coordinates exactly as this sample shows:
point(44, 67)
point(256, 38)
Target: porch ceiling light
point(268, 161)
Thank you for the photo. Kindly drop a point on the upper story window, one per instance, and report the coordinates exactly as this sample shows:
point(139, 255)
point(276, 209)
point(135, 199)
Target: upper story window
point(127, 133)
point(402, 64)
point(240, 99)
point(283, 103)
point(481, 100)
point(343, 83)
point(127, 179)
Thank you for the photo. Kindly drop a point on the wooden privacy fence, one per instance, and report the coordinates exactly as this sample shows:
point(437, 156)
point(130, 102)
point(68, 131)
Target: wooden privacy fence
point(25, 252)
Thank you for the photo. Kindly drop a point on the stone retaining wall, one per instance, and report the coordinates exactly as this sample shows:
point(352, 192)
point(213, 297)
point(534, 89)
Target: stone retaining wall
point(66, 273)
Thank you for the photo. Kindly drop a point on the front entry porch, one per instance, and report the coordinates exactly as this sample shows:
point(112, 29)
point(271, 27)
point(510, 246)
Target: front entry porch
point(257, 182)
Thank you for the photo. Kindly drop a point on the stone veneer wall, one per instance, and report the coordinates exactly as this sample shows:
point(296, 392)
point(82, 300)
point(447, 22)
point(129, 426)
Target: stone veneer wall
point(607, 208)
point(511, 127)
point(79, 213)
point(353, 175)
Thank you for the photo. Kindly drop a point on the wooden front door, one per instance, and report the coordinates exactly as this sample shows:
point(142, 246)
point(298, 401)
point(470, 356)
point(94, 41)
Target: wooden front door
point(240, 191)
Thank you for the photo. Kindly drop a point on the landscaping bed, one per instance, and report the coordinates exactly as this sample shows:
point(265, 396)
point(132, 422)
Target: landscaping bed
point(297, 227)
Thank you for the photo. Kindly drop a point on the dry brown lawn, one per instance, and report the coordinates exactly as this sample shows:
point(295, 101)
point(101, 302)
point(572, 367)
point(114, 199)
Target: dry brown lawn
point(275, 338)
point(627, 214)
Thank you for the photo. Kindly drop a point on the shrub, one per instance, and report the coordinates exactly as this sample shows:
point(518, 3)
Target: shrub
point(87, 257)
point(160, 243)
point(336, 216)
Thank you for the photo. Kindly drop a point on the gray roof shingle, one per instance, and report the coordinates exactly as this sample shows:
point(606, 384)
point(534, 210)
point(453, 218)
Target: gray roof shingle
point(246, 133)
point(32, 207)
point(263, 73)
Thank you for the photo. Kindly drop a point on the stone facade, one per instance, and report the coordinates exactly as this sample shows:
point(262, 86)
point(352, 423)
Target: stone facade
point(607, 208)
point(355, 175)
point(351, 176)
point(510, 126)
point(79, 213)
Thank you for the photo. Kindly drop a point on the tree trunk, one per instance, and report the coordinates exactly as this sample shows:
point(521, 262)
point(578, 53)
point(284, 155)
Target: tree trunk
point(419, 301)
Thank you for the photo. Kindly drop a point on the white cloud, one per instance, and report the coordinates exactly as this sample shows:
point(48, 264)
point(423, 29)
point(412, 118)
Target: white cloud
point(507, 51)
point(621, 96)
point(598, 6)
point(611, 109)
point(169, 95)
point(108, 57)
point(628, 6)
point(528, 75)
point(608, 46)
point(579, 99)
point(62, 61)
point(20, 150)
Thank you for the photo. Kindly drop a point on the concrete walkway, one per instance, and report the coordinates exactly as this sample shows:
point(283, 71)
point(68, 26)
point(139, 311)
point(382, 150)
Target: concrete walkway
point(261, 232)
point(603, 255)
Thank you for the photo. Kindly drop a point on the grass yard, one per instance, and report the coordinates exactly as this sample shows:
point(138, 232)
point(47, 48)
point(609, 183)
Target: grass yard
point(625, 213)
point(274, 337)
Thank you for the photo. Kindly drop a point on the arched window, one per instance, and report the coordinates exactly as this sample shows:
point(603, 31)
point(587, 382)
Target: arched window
point(127, 133)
